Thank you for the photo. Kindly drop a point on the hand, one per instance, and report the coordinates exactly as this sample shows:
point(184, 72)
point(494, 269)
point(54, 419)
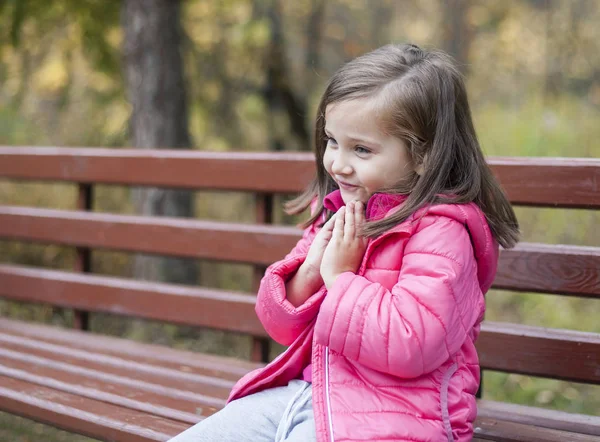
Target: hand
point(346, 249)
point(312, 263)
point(307, 279)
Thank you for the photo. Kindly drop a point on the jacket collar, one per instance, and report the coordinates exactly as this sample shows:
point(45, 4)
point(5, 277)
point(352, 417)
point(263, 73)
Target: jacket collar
point(378, 206)
point(470, 215)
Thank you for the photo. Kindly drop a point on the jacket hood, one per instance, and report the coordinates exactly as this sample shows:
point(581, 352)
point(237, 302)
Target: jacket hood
point(485, 247)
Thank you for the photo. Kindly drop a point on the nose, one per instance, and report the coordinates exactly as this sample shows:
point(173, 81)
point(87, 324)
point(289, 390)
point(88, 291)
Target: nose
point(341, 165)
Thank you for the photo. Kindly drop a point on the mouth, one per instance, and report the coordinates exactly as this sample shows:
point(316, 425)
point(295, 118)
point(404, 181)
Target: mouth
point(346, 186)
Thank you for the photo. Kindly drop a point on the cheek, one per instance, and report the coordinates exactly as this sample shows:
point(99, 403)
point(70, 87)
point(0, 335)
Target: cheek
point(327, 161)
point(378, 177)
point(390, 174)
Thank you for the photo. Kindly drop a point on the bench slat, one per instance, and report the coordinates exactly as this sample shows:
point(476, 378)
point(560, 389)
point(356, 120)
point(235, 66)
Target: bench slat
point(83, 415)
point(168, 385)
point(179, 304)
point(536, 351)
point(503, 431)
point(170, 397)
point(564, 182)
point(562, 269)
point(546, 268)
point(558, 420)
point(237, 171)
point(118, 369)
point(245, 243)
point(126, 349)
point(180, 409)
point(549, 182)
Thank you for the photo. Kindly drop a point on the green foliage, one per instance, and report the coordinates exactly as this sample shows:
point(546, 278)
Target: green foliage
point(18, 16)
point(545, 393)
point(563, 126)
point(92, 17)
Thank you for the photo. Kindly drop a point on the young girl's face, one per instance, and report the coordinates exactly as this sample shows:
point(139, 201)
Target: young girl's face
point(360, 157)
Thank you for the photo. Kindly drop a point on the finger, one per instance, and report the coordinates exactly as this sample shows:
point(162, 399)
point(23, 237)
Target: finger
point(349, 221)
point(330, 222)
point(339, 222)
point(359, 215)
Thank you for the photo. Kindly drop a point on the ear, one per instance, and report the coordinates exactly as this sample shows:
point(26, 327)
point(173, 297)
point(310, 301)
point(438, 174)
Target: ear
point(419, 169)
point(416, 161)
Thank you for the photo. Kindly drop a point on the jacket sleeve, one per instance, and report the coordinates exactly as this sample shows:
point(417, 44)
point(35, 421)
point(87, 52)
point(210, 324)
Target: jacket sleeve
point(282, 321)
point(424, 319)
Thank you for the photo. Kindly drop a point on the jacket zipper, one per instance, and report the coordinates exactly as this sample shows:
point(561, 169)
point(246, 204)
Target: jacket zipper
point(327, 398)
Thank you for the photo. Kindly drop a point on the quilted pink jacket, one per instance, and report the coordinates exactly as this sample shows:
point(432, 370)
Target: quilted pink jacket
point(392, 346)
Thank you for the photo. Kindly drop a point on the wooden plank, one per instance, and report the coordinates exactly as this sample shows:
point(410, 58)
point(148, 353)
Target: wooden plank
point(218, 309)
point(550, 268)
point(103, 391)
point(245, 243)
point(234, 171)
point(545, 182)
point(130, 393)
point(194, 306)
point(558, 420)
point(126, 349)
point(550, 182)
point(503, 431)
point(561, 269)
point(121, 369)
point(81, 415)
point(536, 351)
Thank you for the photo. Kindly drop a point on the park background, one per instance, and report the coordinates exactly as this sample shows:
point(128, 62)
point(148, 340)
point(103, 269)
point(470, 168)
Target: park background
point(242, 75)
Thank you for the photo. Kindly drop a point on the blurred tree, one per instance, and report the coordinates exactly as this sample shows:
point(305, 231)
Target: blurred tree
point(314, 35)
point(458, 32)
point(278, 91)
point(155, 86)
point(43, 45)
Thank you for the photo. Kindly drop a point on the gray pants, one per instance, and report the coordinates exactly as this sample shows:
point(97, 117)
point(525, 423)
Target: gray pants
point(273, 415)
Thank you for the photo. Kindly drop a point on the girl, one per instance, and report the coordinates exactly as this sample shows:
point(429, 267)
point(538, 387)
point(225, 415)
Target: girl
point(381, 305)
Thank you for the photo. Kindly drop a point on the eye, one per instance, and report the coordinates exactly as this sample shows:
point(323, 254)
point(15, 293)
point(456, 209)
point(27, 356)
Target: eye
point(330, 140)
point(362, 150)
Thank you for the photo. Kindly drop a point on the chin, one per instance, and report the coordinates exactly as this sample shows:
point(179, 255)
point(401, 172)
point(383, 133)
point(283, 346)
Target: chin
point(354, 196)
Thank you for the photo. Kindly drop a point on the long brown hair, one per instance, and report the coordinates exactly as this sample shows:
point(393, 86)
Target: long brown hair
point(424, 102)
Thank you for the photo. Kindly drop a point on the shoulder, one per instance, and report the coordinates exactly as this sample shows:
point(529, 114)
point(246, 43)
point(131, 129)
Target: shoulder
point(438, 233)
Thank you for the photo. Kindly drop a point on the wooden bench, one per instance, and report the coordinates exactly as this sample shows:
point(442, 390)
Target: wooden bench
point(117, 389)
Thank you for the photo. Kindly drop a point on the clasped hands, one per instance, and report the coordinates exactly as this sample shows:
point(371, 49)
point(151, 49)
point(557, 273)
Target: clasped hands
point(337, 248)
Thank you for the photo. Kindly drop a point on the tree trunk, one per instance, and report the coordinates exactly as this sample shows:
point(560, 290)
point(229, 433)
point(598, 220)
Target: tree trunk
point(155, 86)
point(279, 93)
point(458, 33)
point(314, 36)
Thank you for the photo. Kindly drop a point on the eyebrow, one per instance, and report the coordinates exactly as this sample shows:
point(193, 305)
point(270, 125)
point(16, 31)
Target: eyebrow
point(357, 140)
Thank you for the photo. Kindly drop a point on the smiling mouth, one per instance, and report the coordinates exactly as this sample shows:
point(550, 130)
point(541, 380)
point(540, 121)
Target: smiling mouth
point(346, 186)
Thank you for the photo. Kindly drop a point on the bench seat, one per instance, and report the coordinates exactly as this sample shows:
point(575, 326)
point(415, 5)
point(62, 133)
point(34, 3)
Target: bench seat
point(116, 389)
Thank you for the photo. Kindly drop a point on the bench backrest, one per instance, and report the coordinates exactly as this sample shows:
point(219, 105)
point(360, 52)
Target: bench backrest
point(541, 268)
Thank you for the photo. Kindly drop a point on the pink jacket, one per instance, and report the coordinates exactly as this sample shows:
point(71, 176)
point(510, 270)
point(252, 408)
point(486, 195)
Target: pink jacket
point(392, 346)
